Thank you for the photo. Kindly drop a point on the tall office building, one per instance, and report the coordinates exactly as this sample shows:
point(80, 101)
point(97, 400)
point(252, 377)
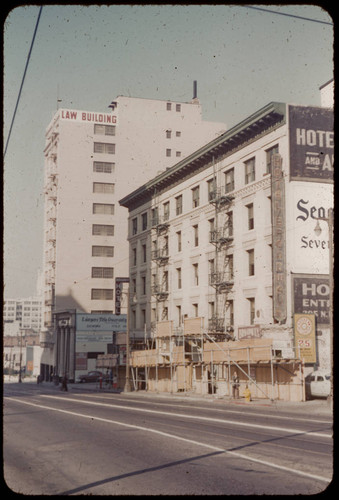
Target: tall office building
point(92, 159)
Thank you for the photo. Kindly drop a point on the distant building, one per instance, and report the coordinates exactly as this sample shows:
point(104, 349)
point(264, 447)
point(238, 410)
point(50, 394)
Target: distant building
point(230, 241)
point(92, 159)
point(27, 313)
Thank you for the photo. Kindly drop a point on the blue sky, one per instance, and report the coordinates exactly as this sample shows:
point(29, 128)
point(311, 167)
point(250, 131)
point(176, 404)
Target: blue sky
point(241, 57)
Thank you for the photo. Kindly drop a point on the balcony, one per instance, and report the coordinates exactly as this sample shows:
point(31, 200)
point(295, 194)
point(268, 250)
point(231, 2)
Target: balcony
point(160, 223)
point(222, 281)
point(221, 237)
point(219, 197)
point(160, 292)
point(160, 255)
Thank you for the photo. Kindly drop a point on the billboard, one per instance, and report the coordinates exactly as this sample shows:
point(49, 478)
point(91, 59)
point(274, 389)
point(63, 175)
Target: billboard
point(309, 203)
point(311, 295)
point(304, 337)
point(86, 322)
point(311, 140)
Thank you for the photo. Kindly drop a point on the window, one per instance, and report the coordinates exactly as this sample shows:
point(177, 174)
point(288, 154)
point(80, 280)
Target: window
point(134, 256)
point(269, 153)
point(178, 108)
point(195, 274)
point(168, 134)
point(168, 152)
point(250, 262)
point(103, 147)
point(196, 235)
point(103, 208)
point(143, 285)
point(230, 312)
point(102, 272)
point(249, 170)
point(178, 133)
point(102, 230)
point(103, 187)
point(195, 197)
point(134, 225)
point(179, 277)
point(250, 216)
point(102, 294)
point(229, 180)
point(155, 216)
point(178, 205)
point(144, 221)
point(229, 224)
point(179, 316)
point(168, 106)
point(195, 310)
point(102, 251)
point(165, 280)
point(104, 129)
point(166, 210)
point(230, 267)
point(179, 241)
point(252, 309)
point(211, 189)
point(103, 167)
point(144, 253)
point(178, 154)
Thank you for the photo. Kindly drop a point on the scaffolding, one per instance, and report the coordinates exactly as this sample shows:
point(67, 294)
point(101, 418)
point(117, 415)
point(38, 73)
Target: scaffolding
point(221, 271)
point(192, 360)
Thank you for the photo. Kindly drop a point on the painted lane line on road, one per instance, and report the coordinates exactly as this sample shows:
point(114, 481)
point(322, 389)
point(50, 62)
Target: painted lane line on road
point(197, 417)
point(172, 436)
point(221, 410)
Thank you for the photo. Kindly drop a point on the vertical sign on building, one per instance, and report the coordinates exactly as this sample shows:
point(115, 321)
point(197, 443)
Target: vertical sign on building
point(304, 335)
point(278, 241)
point(118, 292)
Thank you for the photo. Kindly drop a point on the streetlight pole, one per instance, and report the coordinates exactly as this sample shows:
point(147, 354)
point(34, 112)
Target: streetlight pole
point(317, 230)
point(127, 387)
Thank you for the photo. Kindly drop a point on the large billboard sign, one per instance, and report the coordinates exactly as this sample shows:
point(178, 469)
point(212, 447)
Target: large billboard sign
point(308, 211)
point(311, 295)
point(311, 139)
point(93, 323)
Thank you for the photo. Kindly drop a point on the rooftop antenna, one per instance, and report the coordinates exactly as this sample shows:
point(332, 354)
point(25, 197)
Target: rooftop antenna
point(58, 100)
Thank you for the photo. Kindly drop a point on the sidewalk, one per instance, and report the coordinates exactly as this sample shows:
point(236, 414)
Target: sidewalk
point(312, 407)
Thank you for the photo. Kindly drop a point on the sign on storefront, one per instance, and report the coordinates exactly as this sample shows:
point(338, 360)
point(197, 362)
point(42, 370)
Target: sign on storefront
point(100, 323)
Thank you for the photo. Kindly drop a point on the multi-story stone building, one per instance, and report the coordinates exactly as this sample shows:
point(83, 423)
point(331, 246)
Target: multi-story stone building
point(226, 236)
point(91, 160)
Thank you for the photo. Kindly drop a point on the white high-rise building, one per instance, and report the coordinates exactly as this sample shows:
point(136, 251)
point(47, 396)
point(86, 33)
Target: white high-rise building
point(92, 159)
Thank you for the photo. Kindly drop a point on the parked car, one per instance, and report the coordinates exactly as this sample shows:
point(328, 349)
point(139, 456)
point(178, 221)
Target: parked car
point(92, 376)
point(318, 384)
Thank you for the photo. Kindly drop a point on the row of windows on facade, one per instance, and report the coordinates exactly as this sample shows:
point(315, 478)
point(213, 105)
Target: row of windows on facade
point(228, 231)
point(229, 186)
point(194, 312)
point(107, 272)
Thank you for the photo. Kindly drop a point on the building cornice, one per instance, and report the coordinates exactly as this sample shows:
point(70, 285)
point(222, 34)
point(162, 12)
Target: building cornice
point(261, 122)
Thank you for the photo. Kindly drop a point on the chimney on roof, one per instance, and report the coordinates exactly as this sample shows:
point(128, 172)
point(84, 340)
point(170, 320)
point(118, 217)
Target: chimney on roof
point(195, 99)
point(195, 87)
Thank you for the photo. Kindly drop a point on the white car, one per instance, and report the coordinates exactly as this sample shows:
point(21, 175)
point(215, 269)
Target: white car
point(318, 384)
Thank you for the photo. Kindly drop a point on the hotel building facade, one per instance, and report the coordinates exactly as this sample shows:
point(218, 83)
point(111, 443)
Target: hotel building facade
point(227, 243)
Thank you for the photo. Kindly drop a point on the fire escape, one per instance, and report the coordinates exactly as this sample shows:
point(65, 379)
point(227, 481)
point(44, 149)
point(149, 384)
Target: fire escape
point(160, 257)
point(220, 324)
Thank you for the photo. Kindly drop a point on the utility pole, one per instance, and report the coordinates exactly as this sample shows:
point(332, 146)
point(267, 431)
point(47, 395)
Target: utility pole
point(127, 387)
